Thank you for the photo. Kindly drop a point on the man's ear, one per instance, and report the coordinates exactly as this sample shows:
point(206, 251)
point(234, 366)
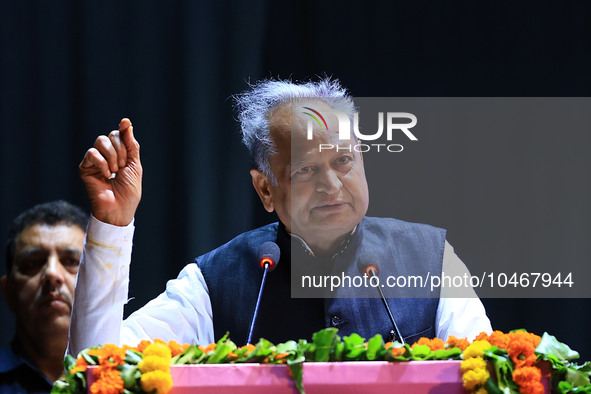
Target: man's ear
point(262, 184)
point(7, 292)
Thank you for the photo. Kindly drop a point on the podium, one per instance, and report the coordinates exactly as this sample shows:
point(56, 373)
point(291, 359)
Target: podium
point(342, 377)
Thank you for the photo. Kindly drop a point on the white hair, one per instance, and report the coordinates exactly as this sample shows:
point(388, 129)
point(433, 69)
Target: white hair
point(254, 105)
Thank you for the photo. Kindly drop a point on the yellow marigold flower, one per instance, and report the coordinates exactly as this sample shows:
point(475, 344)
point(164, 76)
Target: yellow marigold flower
point(110, 382)
point(472, 363)
point(475, 377)
point(476, 349)
point(154, 363)
point(481, 390)
point(158, 349)
point(156, 380)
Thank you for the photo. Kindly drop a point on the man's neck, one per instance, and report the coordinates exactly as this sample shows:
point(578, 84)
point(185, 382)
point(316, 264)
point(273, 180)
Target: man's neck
point(45, 351)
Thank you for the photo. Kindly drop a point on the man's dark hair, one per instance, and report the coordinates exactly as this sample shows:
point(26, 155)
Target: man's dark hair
point(51, 213)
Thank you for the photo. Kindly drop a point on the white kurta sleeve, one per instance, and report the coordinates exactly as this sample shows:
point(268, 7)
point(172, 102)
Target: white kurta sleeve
point(182, 312)
point(463, 317)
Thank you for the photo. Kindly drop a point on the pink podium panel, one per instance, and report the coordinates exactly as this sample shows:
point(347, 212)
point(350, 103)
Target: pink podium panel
point(376, 377)
point(346, 377)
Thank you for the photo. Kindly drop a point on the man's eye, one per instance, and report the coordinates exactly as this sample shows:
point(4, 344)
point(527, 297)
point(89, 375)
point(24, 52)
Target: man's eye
point(343, 160)
point(303, 171)
point(30, 267)
point(71, 262)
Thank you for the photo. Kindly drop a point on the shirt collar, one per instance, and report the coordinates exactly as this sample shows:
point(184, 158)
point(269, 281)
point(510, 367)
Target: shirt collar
point(342, 247)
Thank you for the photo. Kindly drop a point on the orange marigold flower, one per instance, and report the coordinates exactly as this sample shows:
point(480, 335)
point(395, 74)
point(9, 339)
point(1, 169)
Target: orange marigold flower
point(109, 355)
point(156, 380)
point(499, 339)
point(482, 337)
point(208, 348)
point(249, 348)
point(397, 351)
point(109, 382)
point(175, 348)
point(127, 347)
point(461, 344)
point(142, 345)
point(522, 352)
point(80, 366)
point(434, 344)
point(529, 380)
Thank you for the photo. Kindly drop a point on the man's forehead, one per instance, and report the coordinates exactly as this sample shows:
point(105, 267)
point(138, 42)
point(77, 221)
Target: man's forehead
point(50, 235)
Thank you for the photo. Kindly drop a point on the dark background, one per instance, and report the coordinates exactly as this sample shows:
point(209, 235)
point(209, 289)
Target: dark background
point(70, 71)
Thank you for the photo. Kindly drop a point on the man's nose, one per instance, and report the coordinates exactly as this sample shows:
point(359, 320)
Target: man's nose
point(53, 275)
point(328, 182)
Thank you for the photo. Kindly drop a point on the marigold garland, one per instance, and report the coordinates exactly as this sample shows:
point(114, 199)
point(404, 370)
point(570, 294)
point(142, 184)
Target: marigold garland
point(521, 348)
point(109, 381)
point(474, 368)
point(147, 367)
point(156, 380)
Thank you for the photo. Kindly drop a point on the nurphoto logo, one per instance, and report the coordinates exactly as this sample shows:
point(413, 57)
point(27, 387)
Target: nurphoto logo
point(392, 121)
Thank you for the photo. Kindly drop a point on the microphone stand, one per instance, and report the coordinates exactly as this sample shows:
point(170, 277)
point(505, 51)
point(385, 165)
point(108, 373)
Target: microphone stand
point(395, 327)
point(256, 308)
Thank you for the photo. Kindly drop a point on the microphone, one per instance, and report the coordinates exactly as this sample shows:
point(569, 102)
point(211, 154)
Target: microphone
point(268, 258)
point(371, 270)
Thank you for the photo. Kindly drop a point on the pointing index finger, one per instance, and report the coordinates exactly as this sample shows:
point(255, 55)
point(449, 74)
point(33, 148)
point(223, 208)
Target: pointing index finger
point(131, 144)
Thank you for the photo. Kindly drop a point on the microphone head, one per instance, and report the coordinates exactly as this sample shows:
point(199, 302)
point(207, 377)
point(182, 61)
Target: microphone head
point(269, 254)
point(368, 266)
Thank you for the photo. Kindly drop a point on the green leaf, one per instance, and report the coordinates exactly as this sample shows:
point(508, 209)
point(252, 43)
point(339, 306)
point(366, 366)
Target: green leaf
point(131, 375)
point(446, 354)
point(491, 387)
point(222, 348)
point(375, 348)
point(576, 377)
point(339, 350)
point(324, 340)
point(354, 348)
point(296, 369)
point(503, 367)
point(90, 360)
point(60, 386)
point(188, 356)
point(69, 362)
point(420, 352)
point(549, 345)
point(132, 357)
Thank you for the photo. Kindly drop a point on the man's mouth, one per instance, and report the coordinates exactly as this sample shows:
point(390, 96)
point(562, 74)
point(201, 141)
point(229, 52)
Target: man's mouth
point(55, 300)
point(332, 206)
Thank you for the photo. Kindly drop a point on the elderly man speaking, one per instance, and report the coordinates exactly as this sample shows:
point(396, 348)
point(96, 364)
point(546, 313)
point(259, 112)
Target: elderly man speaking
point(321, 198)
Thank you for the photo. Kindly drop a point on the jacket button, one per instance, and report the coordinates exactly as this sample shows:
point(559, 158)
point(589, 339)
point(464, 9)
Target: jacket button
point(335, 321)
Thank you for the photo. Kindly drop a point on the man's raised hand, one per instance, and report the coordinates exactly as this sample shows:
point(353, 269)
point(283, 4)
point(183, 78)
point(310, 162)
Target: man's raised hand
point(112, 173)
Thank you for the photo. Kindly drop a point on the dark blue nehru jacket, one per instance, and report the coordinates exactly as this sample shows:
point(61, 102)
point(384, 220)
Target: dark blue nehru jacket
point(233, 277)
